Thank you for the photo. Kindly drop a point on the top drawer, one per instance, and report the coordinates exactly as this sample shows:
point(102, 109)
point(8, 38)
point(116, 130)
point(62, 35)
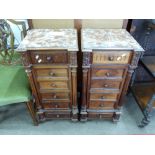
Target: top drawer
point(111, 57)
point(48, 57)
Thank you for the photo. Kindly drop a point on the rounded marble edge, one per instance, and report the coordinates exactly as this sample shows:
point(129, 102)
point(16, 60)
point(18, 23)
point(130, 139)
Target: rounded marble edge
point(28, 49)
point(110, 49)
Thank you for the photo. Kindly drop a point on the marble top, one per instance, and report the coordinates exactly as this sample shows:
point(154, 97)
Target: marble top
point(107, 39)
point(41, 39)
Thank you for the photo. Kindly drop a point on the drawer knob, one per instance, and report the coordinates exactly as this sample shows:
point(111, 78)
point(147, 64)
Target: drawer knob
point(53, 85)
point(57, 116)
point(54, 96)
point(37, 57)
point(40, 60)
point(101, 105)
point(111, 58)
point(51, 73)
point(106, 85)
point(56, 106)
point(107, 74)
point(49, 58)
point(102, 97)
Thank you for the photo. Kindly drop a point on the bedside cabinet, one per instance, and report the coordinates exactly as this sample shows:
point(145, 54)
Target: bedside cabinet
point(50, 60)
point(110, 56)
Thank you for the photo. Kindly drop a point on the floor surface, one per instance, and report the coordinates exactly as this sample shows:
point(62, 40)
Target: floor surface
point(15, 120)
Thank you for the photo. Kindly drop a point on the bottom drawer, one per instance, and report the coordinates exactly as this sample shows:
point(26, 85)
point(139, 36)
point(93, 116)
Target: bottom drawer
point(55, 105)
point(100, 116)
point(50, 115)
point(101, 105)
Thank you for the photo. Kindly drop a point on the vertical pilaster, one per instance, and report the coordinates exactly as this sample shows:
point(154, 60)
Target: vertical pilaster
point(86, 67)
point(73, 67)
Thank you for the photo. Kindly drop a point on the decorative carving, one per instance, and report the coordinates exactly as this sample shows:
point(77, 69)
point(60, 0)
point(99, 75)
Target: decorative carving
point(73, 59)
point(25, 59)
point(133, 66)
point(86, 59)
point(111, 57)
point(135, 59)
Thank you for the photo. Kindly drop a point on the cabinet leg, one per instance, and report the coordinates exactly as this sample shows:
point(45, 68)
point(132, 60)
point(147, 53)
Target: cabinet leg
point(116, 117)
point(83, 116)
point(147, 113)
point(74, 115)
point(32, 113)
point(145, 121)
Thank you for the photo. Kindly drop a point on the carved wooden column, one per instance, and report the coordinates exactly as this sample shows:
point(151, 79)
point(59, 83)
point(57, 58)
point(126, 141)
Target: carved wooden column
point(73, 66)
point(86, 68)
point(28, 69)
point(131, 69)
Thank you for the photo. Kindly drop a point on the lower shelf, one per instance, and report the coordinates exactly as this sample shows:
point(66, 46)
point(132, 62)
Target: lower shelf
point(143, 92)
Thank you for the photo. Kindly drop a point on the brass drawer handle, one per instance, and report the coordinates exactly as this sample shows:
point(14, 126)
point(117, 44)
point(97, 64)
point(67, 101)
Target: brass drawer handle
point(52, 74)
point(111, 58)
point(53, 85)
point(107, 74)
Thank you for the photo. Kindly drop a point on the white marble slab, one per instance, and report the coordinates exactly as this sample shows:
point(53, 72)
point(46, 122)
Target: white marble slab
point(107, 39)
point(41, 39)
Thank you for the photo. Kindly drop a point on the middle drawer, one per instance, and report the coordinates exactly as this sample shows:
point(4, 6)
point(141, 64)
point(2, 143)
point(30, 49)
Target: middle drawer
point(105, 84)
point(44, 74)
point(53, 85)
point(55, 96)
point(103, 96)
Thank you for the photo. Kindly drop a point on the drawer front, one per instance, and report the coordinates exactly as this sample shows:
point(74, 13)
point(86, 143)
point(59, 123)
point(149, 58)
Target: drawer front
point(47, 57)
point(107, 73)
point(52, 72)
point(101, 105)
point(55, 105)
point(111, 57)
point(53, 85)
point(105, 84)
point(103, 96)
point(49, 115)
point(55, 96)
point(100, 116)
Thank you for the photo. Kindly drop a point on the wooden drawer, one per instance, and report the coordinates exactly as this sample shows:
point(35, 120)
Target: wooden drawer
point(53, 85)
point(100, 116)
point(103, 96)
point(50, 115)
point(55, 96)
point(55, 105)
point(49, 57)
point(111, 57)
point(101, 105)
point(51, 74)
point(105, 84)
point(107, 73)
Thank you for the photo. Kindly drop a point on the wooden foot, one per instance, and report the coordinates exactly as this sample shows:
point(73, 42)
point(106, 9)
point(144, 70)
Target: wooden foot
point(116, 117)
point(83, 117)
point(145, 121)
point(32, 113)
